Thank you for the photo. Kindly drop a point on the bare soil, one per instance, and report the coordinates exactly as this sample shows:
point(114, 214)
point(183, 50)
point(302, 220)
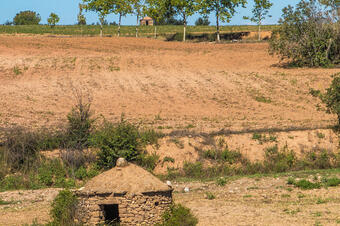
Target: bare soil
point(245, 201)
point(170, 86)
point(167, 85)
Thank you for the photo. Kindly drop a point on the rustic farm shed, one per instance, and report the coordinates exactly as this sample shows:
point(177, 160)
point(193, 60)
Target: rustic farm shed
point(146, 21)
point(126, 194)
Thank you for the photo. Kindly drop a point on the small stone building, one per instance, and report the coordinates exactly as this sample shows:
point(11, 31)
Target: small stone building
point(128, 195)
point(146, 21)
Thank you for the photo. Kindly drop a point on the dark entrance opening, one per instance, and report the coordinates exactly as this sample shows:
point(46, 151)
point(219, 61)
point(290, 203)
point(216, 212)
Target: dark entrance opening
point(147, 23)
point(111, 214)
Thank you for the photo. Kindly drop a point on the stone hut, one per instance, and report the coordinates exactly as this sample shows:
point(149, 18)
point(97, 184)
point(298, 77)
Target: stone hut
point(146, 21)
point(128, 195)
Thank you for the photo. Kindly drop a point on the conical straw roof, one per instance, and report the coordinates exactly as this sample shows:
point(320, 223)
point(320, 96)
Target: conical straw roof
point(129, 179)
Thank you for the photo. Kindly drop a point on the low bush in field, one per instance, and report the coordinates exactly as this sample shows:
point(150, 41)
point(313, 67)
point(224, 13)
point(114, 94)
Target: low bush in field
point(63, 208)
point(179, 215)
point(276, 161)
point(306, 184)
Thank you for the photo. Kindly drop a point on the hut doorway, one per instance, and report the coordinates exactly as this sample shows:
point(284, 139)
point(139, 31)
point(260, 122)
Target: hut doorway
point(111, 214)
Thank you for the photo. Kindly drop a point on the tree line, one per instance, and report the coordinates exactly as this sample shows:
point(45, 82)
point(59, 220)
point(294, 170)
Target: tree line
point(161, 11)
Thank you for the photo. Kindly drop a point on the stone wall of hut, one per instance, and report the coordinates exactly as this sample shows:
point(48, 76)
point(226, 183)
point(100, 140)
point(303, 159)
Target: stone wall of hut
point(141, 209)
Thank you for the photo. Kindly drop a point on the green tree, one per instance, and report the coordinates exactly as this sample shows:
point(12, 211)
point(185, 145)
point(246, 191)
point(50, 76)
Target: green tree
point(332, 97)
point(307, 36)
point(122, 8)
point(184, 8)
point(27, 18)
point(53, 19)
point(81, 18)
point(102, 8)
point(260, 11)
point(155, 9)
point(137, 6)
point(224, 10)
point(203, 21)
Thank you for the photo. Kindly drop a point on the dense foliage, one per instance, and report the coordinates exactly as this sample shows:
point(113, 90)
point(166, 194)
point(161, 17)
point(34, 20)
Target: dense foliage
point(179, 215)
point(27, 18)
point(63, 208)
point(308, 36)
point(332, 97)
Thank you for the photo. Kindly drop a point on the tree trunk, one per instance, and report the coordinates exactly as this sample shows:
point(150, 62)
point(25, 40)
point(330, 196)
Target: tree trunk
point(119, 22)
point(155, 32)
point(260, 22)
point(137, 26)
point(184, 28)
point(101, 29)
point(218, 28)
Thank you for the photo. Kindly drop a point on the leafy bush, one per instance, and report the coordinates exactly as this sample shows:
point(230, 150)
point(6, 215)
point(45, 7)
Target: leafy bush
point(63, 208)
point(194, 170)
point(332, 97)
point(307, 36)
point(210, 195)
point(116, 141)
point(279, 161)
point(27, 18)
point(12, 182)
point(179, 215)
point(80, 123)
point(332, 182)
point(305, 184)
point(148, 162)
point(21, 149)
point(221, 181)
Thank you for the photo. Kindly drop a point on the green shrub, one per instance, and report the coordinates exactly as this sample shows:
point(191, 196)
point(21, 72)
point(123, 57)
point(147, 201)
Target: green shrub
point(210, 195)
point(305, 184)
point(332, 182)
point(279, 161)
point(307, 36)
point(80, 124)
point(117, 141)
point(332, 97)
point(81, 173)
point(231, 156)
point(194, 170)
point(63, 208)
point(221, 181)
point(179, 215)
point(147, 161)
point(12, 182)
point(168, 159)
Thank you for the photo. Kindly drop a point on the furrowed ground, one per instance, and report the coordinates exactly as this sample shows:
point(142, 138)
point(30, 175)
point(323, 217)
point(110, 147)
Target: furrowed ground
point(189, 91)
point(166, 85)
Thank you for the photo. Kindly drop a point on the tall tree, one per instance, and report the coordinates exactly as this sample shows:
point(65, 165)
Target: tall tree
point(184, 8)
point(137, 6)
point(224, 10)
point(53, 19)
point(260, 12)
point(101, 7)
point(155, 9)
point(27, 18)
point(81, 18)
point(122, 8)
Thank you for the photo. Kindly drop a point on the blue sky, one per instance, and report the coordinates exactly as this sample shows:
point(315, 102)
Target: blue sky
point(68, 10)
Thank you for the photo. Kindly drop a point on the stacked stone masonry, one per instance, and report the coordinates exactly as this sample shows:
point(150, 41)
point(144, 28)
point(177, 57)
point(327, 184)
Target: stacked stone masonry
point(134, 209)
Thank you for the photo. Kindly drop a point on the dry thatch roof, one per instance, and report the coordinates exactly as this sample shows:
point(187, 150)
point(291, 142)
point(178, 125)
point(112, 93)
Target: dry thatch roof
point(129, 179)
